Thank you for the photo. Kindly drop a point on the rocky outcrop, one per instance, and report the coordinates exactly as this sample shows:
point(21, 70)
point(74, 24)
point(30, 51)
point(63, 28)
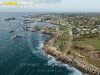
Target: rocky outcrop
point(29, 29)
point(69, 59)
point(16, 36)
point(7, 19)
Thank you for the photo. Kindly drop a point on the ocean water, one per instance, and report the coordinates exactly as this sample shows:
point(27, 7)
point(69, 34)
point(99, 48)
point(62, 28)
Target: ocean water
point(24, 56)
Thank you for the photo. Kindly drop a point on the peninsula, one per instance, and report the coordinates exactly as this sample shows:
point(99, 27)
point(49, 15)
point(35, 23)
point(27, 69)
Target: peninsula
point(75, 40)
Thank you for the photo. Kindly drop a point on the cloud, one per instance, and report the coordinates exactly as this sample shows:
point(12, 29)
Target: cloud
point(46, 1)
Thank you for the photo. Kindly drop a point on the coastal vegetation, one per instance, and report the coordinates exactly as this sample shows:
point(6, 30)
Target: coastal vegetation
point(76, 34)
point(61, 41)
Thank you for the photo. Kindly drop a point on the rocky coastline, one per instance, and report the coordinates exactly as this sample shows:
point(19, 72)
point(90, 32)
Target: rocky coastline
point(61, 56)
point(68, 59)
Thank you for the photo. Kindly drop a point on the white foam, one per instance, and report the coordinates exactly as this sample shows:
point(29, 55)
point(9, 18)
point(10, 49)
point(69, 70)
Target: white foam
point(40, 44)
point(58, 63)
point(52, 60)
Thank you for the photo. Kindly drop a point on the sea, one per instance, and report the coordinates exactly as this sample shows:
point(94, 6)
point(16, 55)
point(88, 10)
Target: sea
point(24, 55)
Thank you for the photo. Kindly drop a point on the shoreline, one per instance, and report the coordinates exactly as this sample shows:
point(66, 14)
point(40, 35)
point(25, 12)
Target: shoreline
point(68, 59)
point(73, 61)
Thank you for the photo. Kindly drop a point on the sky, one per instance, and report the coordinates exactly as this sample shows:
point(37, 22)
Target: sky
point(57, 6)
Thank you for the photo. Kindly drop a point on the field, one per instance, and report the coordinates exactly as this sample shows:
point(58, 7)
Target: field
point(91, 51)
point(94, 42)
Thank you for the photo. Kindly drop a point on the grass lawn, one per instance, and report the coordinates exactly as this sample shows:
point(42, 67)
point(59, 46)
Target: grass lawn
point(94, 42)
point(63, 29)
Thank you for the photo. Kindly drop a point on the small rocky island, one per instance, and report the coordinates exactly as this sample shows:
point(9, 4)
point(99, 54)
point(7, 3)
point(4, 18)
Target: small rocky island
point(31, 29)
point(11, 31)
point(26, 21)
point(8, 19)
point(16, 36)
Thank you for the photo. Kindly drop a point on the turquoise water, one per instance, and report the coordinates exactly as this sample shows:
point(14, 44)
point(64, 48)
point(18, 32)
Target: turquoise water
point(24, 56)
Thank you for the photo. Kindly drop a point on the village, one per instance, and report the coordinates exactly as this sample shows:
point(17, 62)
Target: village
point(74, 34)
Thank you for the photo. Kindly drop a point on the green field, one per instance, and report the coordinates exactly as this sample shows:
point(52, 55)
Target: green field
point(60, 41)
point(94, 42)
